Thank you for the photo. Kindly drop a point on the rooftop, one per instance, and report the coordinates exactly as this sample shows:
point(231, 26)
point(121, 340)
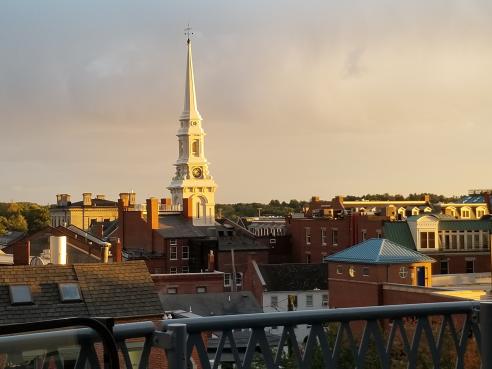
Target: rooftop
point(294, 277)
point(379, 251)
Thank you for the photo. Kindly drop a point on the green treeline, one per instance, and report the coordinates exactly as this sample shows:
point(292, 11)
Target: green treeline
point(23, 217)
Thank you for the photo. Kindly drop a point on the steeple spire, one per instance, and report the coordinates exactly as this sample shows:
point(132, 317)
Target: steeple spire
point(190, 110)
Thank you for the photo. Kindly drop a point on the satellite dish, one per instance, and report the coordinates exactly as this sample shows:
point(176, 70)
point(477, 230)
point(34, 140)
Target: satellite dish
point(36, 261)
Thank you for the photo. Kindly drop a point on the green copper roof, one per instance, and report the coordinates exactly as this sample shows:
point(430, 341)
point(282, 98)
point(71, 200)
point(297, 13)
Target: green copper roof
point(379, 251)
point(465, 225)
point(399, 233)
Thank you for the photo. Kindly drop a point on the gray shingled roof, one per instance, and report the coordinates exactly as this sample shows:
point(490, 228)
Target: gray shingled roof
point(294, 277)
point(379, 251)
point(208, 304)
point(116, 290)
point(177, 226)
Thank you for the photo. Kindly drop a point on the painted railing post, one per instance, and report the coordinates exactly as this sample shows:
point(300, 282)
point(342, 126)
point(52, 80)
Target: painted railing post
point(486, 333)
point(177, 356)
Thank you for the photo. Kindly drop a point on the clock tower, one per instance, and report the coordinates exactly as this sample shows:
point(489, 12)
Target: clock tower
point(192, 179)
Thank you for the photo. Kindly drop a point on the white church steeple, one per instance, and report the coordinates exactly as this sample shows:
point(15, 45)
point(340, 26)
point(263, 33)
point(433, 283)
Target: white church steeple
point(192, 179)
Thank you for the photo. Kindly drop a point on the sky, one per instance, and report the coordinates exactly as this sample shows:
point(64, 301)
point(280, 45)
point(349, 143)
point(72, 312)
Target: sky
point(319, 97)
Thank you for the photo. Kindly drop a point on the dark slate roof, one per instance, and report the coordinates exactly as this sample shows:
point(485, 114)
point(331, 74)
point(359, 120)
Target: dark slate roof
point(95, 203)
point(177, 226)
point(399, 232)
point(208, 304)
point(116, 290)
point(10, 237)
point(471, 199)
point(379, 251)
point(294, 277)
point(227, 243)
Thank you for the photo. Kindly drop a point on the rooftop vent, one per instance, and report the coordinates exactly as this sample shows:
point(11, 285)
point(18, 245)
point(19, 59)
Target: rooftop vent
point(20, 295)
point(69, 292)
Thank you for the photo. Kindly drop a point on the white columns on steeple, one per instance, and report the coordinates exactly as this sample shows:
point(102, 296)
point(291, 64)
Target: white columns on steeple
point(190, 110)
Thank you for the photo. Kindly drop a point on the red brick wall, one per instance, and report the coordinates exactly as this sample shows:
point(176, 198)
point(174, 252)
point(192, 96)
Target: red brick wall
point(187, 283)
point(349, 231)
point(392, 297)
point(457, 263)
point(241, 260)
point(345, 293)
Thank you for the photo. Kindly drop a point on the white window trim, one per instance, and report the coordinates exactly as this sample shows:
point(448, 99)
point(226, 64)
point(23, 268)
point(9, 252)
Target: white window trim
point(171, 252)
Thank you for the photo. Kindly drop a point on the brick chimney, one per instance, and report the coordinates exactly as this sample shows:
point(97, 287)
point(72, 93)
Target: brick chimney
point(22, 253)
point(211, 261)
point(427, 198)
point(166, 203)
point(125, 199)
point(132, 198)
point(188, 208)
point(87, 198)
point(117, 251)
point(153, 213)
point(98, 230)
point(486, 199)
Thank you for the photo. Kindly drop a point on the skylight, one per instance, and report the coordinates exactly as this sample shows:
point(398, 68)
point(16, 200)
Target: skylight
point(69, 292)
point(20, 295)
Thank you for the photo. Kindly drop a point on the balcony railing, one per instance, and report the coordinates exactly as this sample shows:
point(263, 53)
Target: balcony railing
point(437, 335)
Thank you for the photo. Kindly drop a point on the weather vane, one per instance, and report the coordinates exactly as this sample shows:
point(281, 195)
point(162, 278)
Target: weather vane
point(188, 32)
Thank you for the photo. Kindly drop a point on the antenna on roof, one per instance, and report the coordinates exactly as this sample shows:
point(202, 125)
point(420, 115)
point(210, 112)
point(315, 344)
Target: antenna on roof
point(188, 33)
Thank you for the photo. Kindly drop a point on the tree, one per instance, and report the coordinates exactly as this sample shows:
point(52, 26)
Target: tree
point(17, 222)
point(37, 217)
point(3, 225)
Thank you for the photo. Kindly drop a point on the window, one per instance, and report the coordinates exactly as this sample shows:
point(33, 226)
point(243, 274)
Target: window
point(365, 272)
point(274, 301)
point(323, 236)
point(185, 269)
point(20, 295)
point(325, 300)
point(201, 289)
point(173, 242)
point(480, 213)
point(309, 300)
point(339, 269)
point(69, 292)
point(239, 279)
point(427, 240)
point(403, 272)
point(195, 148)
point(185, 252)
point(379, 233)
point(334, 237)
point(173, 255)
point(308, 235)
point(465, 212)
point(364, 235)
point(173, 270)
point(227, 279)
point(273, 241)
point(308, 258)
point(444, 267)
point(172, 290)
point(470, 266)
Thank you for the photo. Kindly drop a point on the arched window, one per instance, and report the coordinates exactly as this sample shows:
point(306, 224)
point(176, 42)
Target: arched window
point(195, 148)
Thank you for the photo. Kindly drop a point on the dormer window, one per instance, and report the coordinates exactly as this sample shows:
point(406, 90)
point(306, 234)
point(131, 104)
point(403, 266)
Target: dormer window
point(69, 292)
point(20, 295)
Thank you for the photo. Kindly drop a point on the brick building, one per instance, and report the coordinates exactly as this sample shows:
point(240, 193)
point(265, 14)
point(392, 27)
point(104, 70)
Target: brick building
point(313, 238)
point(458, 245)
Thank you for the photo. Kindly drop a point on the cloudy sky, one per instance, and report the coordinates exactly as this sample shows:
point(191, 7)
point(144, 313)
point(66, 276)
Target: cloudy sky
point(298, 98)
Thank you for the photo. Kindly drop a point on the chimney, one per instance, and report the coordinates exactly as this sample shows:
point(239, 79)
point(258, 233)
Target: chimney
point(211, 261)
point(105, 253)
point(101, 197)
point(315, 199)
point(427, 199)
point(486, 199)
point(58, 250)
point(98, 230)
point(125, 199)
point(87, 198)
point(117, 254)
point(188, 208)
point(58, 200)
point(22, 253)
point(166, 203)
point(153, 213)
point(132, 198)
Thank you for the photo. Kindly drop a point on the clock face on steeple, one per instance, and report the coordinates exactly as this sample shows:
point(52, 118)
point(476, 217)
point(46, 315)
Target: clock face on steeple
point(197, 172)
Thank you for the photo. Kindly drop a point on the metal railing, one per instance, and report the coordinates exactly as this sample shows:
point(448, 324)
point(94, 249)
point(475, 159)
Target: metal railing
point(437, 335)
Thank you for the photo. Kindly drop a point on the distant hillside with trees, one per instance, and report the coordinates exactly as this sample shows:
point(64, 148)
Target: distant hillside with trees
point(277, 208)
point(23, 217)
